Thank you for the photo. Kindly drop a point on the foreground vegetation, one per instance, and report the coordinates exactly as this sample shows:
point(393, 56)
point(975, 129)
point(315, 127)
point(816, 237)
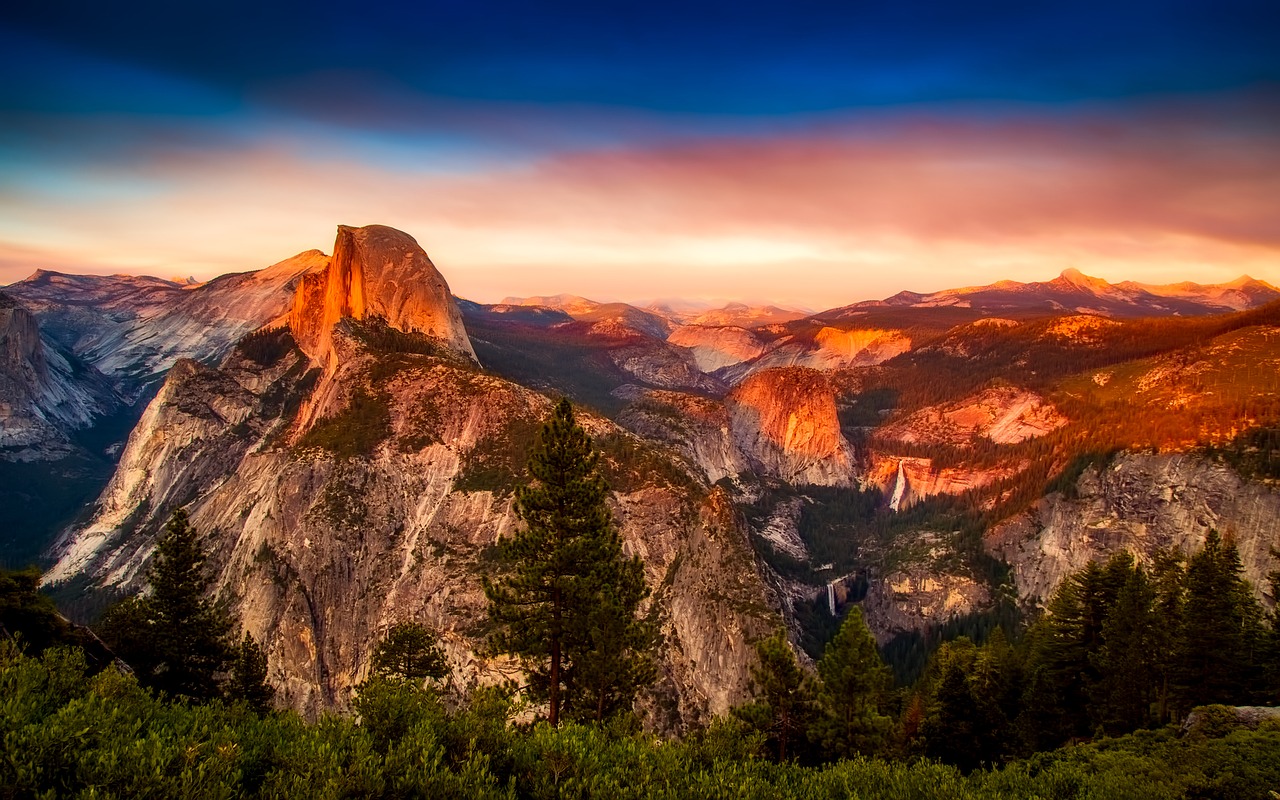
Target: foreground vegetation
point(64, 732)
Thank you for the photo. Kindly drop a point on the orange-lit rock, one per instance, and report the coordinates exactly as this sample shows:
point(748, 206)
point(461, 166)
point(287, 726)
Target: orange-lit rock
point(785, 421)
point(377, 271)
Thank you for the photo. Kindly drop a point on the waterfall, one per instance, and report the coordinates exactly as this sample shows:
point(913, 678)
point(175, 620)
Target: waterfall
point(831, 597)
point(899, 488)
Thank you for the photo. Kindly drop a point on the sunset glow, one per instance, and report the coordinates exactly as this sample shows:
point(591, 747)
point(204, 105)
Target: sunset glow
point(524, 172)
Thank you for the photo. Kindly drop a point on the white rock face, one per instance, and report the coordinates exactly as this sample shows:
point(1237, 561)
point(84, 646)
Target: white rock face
point(43, 397)
point(1140, 502)
point(133, 329)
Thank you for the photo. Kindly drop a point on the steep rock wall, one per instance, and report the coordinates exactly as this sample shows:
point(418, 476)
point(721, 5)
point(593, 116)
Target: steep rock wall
point(1139, 502)
point(377, 271)
point(785, 421)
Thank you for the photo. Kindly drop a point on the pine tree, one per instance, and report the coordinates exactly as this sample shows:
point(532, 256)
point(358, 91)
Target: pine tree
point(177, 640)
point(249, 676)
point(1121, 699)
point(1221, 636)
point(853, 694)
point(784, 707)
point(566, 599)
point(950, 730)
point(410, 651)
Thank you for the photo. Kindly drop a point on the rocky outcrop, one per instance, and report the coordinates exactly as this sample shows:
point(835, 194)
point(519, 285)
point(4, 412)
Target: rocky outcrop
point(785, 422)
point(1003, 415)
point(323, 538)
point(380, 272)
point(910, 479)
point(133, 329)
point(826, 348)
point(44, 395)
point(696, 427)
point(1140, 502)
point(922, 590)
point(713, 348)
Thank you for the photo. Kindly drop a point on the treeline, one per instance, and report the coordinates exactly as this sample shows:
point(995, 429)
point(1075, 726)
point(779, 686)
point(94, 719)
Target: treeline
point(1121, 647)
point(67, 732)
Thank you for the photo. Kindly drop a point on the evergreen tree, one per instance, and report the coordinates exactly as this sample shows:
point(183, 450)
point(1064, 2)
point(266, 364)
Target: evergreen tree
point(566, 599)
point(612, 658)
point(176, 639)
point(1121, 700)
point(249, 676)
point(1168, 585)
point(950, 730)
point(410, 651)
point(1221, 636)
point(853, 694)
point(784, 707)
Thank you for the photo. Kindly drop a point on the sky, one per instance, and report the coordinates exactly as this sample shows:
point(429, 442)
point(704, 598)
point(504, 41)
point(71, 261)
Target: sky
point(804, 153)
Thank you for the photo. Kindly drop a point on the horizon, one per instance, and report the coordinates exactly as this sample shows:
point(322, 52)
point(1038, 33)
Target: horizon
point(814, 156)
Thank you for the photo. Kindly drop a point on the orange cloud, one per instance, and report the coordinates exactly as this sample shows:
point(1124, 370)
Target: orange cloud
point(822, 217)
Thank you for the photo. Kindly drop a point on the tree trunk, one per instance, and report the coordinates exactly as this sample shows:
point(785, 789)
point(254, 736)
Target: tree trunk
point(554, 688)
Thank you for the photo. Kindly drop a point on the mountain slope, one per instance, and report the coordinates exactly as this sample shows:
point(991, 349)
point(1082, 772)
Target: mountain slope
point(365, 483)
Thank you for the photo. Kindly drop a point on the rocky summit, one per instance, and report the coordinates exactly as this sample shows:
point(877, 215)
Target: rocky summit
point(380, 272)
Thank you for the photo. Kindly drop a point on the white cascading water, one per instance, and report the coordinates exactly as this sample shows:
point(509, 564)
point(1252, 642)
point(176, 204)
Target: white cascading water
point(899, 489)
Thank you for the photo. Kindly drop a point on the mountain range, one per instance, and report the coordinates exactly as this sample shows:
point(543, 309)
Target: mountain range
point(347, 437)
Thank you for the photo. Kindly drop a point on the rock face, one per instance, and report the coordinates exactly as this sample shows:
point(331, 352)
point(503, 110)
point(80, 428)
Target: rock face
point(785, 421)
point(713, 348)
point(44, 394)
point(133, 329)
point(923, 589)
point(322, 541)
point(696, 427)
point(1139, 502)
point(377, 271)
point(1005, 415)
point(826, 348)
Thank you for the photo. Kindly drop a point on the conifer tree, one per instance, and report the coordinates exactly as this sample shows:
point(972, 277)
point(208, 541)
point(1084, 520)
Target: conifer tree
point(1126, 662)
point(1219, 646)
point(853, 694)
point(249, 676)
point(950, 729)
point(410, 651)
point(784, 707)
point(176, 639)
point(566, 599)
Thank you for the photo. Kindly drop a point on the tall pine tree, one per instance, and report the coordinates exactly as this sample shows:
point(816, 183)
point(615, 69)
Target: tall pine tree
point(1217, 658)
point(854, 693)
point(784, 707)
point(566, 599)
point(176, 639)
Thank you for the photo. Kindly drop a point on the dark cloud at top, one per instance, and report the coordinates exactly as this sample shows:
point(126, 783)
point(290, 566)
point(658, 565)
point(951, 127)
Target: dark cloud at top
point(708, 58)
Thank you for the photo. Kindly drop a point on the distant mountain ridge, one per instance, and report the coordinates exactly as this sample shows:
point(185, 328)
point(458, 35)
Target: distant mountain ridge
point(1075, 292)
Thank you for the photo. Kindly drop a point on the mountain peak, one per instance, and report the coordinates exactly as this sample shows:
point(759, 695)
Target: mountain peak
point(1079, 280)
point(376, 271)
